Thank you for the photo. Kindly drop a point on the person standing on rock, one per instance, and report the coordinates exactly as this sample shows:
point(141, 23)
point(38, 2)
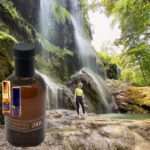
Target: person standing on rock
point(79, 99)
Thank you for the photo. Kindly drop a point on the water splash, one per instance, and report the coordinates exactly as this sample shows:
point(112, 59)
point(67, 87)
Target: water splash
point(52, 91)
point(101, 88)
point(58, 95)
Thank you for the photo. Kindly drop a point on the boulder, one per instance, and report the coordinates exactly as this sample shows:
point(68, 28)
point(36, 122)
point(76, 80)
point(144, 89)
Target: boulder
point(97, 96)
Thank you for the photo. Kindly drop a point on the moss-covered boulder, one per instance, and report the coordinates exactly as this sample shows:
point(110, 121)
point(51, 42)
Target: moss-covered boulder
point(128, 98)
point(16, 25)
point(6, 59)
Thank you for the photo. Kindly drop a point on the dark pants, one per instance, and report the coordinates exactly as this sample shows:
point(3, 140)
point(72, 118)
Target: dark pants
point(79, 100)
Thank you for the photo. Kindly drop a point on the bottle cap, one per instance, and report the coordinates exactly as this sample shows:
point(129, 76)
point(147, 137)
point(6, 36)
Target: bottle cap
point(24, 59)
point(24, 50)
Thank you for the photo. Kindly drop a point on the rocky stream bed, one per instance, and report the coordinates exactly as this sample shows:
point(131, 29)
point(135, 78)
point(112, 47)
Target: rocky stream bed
point(65, 131)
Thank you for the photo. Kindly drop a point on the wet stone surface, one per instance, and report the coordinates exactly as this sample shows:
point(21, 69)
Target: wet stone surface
point(65, 131)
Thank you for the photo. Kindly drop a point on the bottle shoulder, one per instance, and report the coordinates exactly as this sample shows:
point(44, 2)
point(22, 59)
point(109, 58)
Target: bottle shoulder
point(36, 80)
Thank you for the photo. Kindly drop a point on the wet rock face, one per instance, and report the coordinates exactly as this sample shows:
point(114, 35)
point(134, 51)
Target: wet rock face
point(29, 9)
point(93, 94)
point(6, 55)
point(63, 35)
point(64, 131)
point(62, 99)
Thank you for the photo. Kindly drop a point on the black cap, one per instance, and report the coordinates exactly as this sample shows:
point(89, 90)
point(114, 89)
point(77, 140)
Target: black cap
point(24, 59)
point(24, 50)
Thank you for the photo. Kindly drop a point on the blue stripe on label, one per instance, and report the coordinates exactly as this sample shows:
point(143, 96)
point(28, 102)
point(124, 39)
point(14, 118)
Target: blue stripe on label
point(16, 102)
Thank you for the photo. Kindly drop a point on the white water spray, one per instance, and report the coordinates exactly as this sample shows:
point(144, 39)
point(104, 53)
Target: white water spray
point(87, 54)
point(52, 91)
point(101, 88)
point(45, 17)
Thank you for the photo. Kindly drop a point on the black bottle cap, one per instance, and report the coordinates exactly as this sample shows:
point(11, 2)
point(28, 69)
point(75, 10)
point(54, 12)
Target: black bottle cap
point(24, 59)
point(24, 50)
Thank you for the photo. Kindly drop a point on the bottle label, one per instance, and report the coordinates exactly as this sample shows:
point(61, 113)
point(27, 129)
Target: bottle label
point(16, 101)
point(6, 97)
point(25, 126)
point(6, 106)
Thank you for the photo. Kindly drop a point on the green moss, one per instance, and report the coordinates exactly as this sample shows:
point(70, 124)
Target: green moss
point(6, 37)
point(12, 17)
point(139, 99)
point(6, 56)
point(60, 13)
point(60, 53)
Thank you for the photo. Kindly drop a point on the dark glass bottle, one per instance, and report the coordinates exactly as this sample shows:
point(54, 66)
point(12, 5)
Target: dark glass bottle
point(25, 126)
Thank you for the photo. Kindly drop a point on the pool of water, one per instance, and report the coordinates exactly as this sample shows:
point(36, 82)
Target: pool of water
point(126, 116)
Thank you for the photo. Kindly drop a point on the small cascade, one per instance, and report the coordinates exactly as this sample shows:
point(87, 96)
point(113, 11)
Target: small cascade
point(52, 92)
point(56, 98)
point(101, 89)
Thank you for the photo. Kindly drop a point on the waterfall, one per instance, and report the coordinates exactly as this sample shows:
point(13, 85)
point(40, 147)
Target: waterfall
point(55, 97)
point(45, 17)
point(52, 91)
point(87, 54)
point(101, 89)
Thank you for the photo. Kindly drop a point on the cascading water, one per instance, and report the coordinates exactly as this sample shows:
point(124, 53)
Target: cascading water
point(55, 94)
point(45, 25)
point(52, 91)
point(87, 54)
point(85, 50)
point(101, 88)
point(45, 17)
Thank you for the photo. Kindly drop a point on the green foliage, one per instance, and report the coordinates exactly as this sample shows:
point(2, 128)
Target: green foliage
point(87, 25)
point(133, 16)
point(110, 64)
point(20, 25)
point(137, 62)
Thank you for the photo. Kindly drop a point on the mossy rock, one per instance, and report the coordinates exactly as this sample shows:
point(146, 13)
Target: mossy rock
point(6, 54)
point(138, 98)
point(16, 23)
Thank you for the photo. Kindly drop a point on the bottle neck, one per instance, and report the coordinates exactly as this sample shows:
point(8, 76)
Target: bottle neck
point(24, 68)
